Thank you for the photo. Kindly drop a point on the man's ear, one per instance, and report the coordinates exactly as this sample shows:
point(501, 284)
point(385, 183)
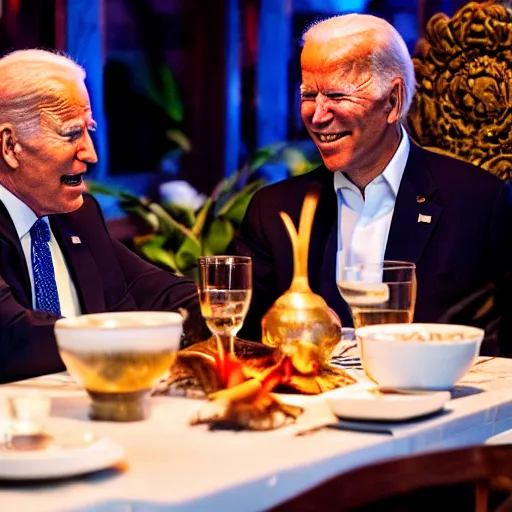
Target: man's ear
point(395, 100)
point(8, 145)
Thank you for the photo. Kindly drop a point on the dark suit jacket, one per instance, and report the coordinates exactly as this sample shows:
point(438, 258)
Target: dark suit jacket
point(107, 277)
point(463, 255)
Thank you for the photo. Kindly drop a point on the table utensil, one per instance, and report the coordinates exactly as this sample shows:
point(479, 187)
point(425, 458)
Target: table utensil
point(418, 356)
point(119, 357)
point(225, 289)
point(379, 293)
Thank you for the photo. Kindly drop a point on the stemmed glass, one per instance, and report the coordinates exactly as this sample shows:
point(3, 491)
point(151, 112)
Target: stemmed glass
point(380, 293)
point(225, 290)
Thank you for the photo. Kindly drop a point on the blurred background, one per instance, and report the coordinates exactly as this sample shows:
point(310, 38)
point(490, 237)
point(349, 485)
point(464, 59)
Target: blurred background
point(192, 89)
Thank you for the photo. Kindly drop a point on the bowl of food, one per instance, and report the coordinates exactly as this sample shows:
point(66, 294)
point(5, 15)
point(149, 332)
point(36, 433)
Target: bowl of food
point(418, 356)
point(119, 357)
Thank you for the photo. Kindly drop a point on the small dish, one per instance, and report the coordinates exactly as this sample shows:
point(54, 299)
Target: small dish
point(363, 401)
point(71, 451)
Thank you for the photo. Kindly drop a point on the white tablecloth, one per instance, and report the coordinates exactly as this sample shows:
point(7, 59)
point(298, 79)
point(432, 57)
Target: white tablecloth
point(173, 466)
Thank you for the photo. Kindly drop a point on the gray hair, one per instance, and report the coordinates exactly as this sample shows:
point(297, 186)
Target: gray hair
point(389, 57)
point(31, 80)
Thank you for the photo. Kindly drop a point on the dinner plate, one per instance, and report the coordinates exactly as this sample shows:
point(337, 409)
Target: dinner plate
point(72, 451)
point(359, 402)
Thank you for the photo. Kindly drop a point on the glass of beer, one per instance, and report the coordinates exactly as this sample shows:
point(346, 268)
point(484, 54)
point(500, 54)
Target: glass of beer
point(379, 293)
point(225, 290)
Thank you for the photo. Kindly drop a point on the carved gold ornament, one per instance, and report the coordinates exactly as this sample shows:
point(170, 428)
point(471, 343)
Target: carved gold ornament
point(463, 101)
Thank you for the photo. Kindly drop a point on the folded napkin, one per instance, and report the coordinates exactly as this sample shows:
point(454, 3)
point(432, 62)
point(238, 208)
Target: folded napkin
point(316, 414)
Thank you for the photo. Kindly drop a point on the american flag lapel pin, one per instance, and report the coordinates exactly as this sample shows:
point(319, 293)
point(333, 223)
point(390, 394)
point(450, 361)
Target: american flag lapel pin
point(425, 218)
point(76, 240)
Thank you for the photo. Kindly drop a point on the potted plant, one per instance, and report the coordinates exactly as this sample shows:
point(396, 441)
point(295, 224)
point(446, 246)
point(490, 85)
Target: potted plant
point(185, 225)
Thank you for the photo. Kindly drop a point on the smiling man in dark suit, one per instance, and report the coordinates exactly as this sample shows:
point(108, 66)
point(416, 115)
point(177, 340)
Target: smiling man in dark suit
point(382, 197)
point(56, 255)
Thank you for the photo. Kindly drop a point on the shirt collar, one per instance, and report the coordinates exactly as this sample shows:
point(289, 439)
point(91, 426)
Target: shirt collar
point(392, 174)
point(21, 214)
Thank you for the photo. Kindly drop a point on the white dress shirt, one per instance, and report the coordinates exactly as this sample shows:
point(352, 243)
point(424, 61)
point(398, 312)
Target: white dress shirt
point(364, 222)
point(24, 218)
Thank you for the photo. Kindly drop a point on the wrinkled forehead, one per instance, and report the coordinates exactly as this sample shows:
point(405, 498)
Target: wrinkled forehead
point(338, 54)
point(65, 99)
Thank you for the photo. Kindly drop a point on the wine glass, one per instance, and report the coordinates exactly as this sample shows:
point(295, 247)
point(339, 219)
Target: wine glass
point(225, 290)
point(379, 293)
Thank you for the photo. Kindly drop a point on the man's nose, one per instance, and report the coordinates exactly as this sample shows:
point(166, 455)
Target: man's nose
point(87, 153)
point(322, 112)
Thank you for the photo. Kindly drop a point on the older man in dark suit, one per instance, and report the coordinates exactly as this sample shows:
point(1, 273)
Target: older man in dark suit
point(56, 255)
point(381, 196)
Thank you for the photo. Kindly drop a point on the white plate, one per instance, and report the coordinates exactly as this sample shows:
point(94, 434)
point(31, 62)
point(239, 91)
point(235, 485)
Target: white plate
point(503, 438)
point(358, 403)
point(66, 456)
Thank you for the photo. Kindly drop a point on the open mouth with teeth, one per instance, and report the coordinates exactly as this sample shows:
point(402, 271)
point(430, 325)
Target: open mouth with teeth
point(331, 137)
point(72, 180)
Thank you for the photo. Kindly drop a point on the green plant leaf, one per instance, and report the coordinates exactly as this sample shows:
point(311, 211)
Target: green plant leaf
point(145, 215)
point(297, 162)
point(219, 235)
point(311, 166)
point(94, 187)
point(163, 90)
point(180, 139)
point(264, 155)
point(235, 208)
point(201, 217)
point(152, 249)
point(222, 186)
point(187, 254)
point(181, 214)
point(170, 95)
point(168, 224)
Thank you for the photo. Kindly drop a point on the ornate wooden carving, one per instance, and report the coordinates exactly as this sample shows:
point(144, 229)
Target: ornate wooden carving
point(463, 101)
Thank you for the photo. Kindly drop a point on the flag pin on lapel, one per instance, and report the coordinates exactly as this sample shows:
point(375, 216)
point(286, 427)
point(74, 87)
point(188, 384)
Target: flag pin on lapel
point(76, 240)
point(424, 218)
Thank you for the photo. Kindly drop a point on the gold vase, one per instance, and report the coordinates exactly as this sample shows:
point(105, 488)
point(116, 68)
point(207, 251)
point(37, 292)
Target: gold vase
point(300, 323)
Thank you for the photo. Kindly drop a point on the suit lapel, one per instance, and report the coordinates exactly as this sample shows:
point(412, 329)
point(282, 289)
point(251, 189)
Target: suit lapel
point(407, 237)
point(81, 264)
point(409, 234)
point(12, 257)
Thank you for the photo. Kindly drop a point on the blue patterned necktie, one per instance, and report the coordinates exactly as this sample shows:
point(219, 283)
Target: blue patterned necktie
point(47, 297)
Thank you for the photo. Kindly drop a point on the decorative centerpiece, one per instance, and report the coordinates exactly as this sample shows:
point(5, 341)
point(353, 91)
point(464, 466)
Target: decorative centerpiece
point(300, 324)
point(462, 101)
point(300, 332)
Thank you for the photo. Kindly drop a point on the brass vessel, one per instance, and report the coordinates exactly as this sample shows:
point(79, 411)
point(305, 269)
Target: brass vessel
point(300, 323)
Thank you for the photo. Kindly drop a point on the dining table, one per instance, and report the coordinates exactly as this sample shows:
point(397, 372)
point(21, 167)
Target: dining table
point(172, 465)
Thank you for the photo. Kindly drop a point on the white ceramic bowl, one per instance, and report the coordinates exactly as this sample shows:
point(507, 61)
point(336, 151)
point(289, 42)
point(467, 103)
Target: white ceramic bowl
point(394, 362)
point(119, 357)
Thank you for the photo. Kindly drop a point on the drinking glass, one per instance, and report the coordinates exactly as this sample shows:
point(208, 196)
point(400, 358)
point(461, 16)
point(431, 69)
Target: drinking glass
point(380, 293)
point(225, 289)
